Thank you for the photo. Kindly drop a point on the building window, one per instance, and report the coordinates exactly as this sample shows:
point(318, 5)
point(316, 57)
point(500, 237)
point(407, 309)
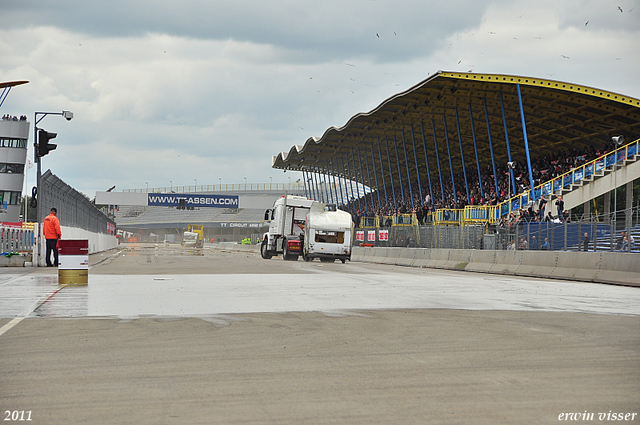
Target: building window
point(13, 143)
point(12, 168)
point(10, 197)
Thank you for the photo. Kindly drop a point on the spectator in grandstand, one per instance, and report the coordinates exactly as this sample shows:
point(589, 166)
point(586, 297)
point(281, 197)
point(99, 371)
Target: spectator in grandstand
point(585, 242)
point(545, 246)
point(524, 245)
point(542, 205)
point(560, 207)
point(52, 232)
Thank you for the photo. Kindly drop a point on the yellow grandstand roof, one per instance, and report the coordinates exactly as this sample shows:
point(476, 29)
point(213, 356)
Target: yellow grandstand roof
point(558, 116)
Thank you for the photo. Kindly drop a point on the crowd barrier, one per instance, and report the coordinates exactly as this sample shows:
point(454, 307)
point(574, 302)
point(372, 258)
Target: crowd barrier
point(600, 267)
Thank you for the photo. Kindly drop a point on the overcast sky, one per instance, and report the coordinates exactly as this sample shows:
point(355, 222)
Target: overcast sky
point(182, 90)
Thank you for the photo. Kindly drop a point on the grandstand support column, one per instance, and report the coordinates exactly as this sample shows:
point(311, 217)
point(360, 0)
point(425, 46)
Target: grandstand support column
point(426, 159)
point(304, 181)
point(393, 190)
point(338, 185)
point(435, 141)
point(607, 205)
point(415, 156)
point(315, 183)
point(506, 138)
point(475, 147)
point(366, 163)
point(384, 183)
point(326, 179)
point(344, 198)
point(364, 196)
point(395, 143)
point(351, 178)
point(464, 168)
point(526, 145)
point(375, 174)
point(446, 138)
point(406, 162)
point(333, 181)
point(493, 163)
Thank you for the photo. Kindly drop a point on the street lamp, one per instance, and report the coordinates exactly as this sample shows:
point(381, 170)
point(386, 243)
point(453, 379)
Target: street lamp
point(618, 140)
point(196, 185)
point(171, 184)
point(220, 180)
point(147, 183)
point(68, 115)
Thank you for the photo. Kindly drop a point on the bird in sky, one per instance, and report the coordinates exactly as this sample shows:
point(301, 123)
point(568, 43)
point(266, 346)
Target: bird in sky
point(566, 57)
point(348, 64)
point(377, 35)
point(620, 9)
point(586, 23)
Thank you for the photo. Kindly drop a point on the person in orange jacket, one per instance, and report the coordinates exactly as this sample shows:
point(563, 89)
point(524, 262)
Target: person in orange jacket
point(51, 231)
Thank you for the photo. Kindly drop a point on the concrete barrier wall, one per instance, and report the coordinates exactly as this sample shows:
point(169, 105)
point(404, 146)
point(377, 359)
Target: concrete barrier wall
point(98, 242)
point(602, 267)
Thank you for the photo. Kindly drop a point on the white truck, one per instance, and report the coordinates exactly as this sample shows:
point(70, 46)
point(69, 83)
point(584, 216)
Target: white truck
point(301, 226)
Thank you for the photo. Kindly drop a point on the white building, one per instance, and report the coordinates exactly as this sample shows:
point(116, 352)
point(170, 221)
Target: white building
point(14, 136)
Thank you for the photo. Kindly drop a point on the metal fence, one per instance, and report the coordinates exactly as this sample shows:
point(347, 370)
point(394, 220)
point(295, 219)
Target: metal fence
point(523, 236)
point(74, 209)
point(15, 239)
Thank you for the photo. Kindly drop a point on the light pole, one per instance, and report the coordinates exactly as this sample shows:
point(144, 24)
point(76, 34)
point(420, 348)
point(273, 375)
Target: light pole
point(245, 183)
point(171, 186)
point(68, 115)
point(618, 140)
point(147, 183)
point(196, 185)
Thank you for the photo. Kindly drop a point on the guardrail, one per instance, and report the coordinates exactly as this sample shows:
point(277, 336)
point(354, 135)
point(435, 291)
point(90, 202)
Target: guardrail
point(491, 214)
point(15, 239)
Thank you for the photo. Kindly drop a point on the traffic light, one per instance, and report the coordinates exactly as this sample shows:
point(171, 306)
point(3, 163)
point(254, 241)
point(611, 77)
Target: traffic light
point(44, 147)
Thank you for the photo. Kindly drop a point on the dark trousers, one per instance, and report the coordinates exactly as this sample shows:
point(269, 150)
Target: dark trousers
point(52, 246)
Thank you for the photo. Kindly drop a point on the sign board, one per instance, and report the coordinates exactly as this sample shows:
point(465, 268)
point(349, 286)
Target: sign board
point(360, 235)
point(383, 235)
point(371, 236)
point(188, 200)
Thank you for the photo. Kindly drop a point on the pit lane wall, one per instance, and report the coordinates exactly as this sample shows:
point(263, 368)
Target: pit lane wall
point(98, 242)
point(600, 267)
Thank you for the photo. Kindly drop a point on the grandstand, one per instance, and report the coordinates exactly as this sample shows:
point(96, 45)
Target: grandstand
point(467, 149)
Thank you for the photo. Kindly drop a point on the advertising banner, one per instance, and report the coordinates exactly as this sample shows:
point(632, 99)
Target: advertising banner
point(189, 200)
point(383, 235)
point(360, 235)
point(371, 236)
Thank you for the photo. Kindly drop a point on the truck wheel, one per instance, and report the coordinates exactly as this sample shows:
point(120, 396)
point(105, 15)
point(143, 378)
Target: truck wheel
point(343, 260)
point(305, 257)
point(264, 251)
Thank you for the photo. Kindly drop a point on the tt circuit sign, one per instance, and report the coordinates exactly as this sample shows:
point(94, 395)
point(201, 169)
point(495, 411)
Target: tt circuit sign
point(167, 199)
point(186, 200)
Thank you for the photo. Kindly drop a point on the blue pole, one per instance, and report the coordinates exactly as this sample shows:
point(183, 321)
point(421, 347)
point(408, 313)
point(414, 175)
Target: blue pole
point(327, 175)
point(435, 141)
point(406, 162)
point(384, 184)
point(375, 175)
point(366, 162)
point(426, 159)
point(395, 143)
point(446, 137)
point(506, 137)
point(314, 183)
point(393, 190)
point(415, 156)
point(464, 168)
point(495, 175)
point(339, 186)
point(345, 188)
point(526, 146)
point(366, 208)
point(304, 178)
point(351, 181)
point(475, 147)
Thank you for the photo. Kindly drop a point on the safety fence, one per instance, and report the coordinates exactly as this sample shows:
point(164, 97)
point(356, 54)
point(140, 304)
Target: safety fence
point(590, 236)
point(74, 208)
point(15, 239)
